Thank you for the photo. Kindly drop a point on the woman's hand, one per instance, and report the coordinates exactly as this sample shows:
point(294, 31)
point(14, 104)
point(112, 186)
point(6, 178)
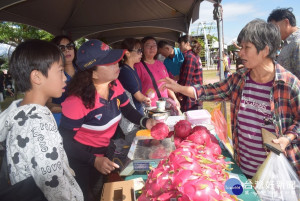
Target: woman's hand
point(170, 84)
point(104, 165)
point(150, 123)
point(283, 142)
point(147, 101)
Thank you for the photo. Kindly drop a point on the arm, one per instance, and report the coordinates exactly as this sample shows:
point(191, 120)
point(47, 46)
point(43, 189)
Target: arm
point(172, 95)
point(131, 82)
point(72, 120)
point(175, 87)
point(10, 91)
point(141, 98)
point(76, 151)
point(132, 114)
point(74, 148)
point(48, 164)
point(218, 91)
point(135, 117)
point(292, 131)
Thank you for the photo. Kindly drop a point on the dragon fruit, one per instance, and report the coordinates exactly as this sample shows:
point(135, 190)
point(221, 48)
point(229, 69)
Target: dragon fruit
point(171, 133)
point(182, 129)
point(214, 139)
point(160, 131)
point(200, 128)
point(191, 172)
point(200, 137)
point(177, 141)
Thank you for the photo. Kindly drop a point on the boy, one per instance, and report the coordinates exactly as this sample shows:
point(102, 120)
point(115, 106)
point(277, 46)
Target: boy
point(33, 144)
point(173, 58)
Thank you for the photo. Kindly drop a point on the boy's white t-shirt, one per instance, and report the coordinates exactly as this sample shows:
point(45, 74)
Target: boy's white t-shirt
point(34, 148)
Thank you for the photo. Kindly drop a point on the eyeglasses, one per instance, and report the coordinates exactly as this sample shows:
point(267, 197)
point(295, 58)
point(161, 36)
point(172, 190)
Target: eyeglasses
point(150, 46)
point(139, 51)
point(69, 46)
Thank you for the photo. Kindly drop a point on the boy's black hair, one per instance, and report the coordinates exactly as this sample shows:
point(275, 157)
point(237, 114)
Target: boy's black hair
point(32, 55)
point(162, 44)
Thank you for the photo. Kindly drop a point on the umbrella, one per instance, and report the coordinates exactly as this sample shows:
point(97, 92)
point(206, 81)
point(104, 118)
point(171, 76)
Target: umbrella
point(108, 20)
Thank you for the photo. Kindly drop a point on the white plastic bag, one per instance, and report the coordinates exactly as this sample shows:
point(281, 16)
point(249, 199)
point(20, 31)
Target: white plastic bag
point(277, 181)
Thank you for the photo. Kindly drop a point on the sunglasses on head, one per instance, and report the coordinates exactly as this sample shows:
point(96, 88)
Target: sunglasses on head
point(69, 46)
point(139, 51)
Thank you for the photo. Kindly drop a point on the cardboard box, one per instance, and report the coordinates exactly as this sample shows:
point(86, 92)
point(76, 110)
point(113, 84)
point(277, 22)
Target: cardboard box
point(118, 191)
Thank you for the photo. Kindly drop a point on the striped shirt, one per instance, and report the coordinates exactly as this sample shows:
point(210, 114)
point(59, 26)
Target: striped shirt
point(254, 108)
point(284, 100)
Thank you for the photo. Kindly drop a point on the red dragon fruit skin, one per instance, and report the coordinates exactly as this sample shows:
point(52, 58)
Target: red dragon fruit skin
point(160, 131)
point(182, 129)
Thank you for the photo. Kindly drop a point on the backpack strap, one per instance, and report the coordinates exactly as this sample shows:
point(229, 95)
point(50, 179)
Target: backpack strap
point(153, 80)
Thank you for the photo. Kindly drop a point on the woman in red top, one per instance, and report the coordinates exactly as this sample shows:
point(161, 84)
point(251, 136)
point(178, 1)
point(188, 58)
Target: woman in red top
point(91, 113)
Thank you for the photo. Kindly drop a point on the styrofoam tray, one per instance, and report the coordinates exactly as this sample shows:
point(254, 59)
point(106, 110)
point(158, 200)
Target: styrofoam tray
point(198, 116)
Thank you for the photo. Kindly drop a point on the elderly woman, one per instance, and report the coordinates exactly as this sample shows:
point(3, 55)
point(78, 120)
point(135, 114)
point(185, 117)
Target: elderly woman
point(262, 95)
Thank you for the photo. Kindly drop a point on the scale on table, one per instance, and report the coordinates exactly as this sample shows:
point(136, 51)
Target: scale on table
point(152, 112)
point(145, 153)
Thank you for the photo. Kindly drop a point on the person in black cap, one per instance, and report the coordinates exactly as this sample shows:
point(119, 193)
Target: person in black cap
point(92, 111)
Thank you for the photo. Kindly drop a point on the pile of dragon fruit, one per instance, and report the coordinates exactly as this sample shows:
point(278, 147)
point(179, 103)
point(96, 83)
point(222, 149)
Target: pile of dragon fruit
point(194, 171)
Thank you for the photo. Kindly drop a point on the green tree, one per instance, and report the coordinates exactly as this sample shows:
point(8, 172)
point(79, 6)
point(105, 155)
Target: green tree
point(79, 42)
point(14, 33)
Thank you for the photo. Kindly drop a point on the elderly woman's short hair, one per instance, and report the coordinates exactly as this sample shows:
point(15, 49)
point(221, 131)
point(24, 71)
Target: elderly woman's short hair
point(261, 34)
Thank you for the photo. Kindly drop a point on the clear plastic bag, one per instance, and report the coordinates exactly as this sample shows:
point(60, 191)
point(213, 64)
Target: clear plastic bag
point(276, 180)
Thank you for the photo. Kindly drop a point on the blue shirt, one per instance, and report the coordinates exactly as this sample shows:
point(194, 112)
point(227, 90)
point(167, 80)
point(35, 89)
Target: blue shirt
point(132, 83)
point(174, 64)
